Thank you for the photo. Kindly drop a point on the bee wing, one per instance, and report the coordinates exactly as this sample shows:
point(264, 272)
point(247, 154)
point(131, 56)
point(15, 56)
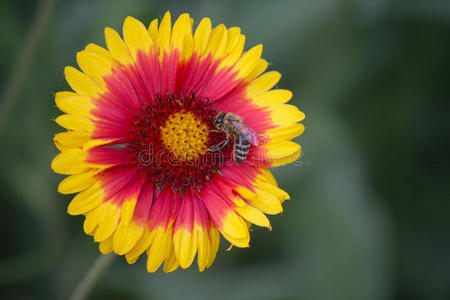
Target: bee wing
point(252, 136)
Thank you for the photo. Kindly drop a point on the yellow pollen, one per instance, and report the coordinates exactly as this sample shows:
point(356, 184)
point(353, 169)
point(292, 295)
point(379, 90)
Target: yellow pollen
point(185, 136)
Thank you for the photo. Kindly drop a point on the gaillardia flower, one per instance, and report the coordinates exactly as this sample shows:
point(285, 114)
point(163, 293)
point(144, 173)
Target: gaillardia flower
point(141, 145)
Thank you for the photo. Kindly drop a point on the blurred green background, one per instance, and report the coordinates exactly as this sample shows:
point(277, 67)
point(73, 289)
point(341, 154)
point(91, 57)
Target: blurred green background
point(369, 215)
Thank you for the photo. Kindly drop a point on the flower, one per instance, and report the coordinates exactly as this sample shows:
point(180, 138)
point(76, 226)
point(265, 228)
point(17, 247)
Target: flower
point(140, 146)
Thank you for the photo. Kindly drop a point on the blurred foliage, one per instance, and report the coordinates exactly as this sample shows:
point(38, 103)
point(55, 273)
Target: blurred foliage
point(369, 215)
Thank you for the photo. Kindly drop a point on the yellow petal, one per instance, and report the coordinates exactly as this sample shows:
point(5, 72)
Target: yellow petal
point(260, 67)
point(268, 176)
point(217, 43)
point(128, 210)
point(81, 83)
point(117, 47)
point(95, 143)
point(185, 245)
point(245, 193)
point(238, 242)
point(86, 200)
point(263, 83)
point(72, 139)
point(171, 263)
point(235, 53)
point(233, 225)
point(105, 246)
point(214, 238)
point(94, 217)
point(277, 96)
point(287, 132)
point(238, 201)
point(96, 66)
point(141, 246)
point(233, 38)
point(164, 33)
point(284, 114)
point(73, 122)
point(248, 61)
point(181, 28)
point(279, 193)
point(153, 31)
point(281, 152)
point(61, 147)
point(266, 202)
point(159, 249)
point(70, 162)
point(136, 36)
point(253, 215)
point(108, 224)
point(77, 183)
point(201, 35)
point(204, 247)
point(188, 47)
point(99, 50)
point(126, 236)
point(74, 104)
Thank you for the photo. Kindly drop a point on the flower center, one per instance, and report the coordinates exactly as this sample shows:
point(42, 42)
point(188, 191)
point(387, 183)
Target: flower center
point(185, 135)
point(171, 140)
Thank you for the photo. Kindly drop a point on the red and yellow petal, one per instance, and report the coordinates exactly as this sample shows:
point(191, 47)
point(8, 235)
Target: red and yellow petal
point(225, 219)
point(184, 235)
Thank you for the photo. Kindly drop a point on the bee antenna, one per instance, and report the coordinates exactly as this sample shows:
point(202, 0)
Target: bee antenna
point(207, 102)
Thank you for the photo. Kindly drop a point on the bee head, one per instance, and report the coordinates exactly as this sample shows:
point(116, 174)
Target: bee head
point(218, 119)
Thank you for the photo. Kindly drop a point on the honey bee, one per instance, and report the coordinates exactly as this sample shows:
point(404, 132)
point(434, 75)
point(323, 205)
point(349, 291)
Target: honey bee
point(243, 135)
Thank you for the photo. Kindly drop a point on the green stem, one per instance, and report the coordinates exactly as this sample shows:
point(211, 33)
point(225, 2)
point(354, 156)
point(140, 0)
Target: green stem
point(87, 283)
point(25, 59)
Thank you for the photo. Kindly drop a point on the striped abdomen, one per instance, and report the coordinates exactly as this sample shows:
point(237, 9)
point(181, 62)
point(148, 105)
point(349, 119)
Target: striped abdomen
point(240, 148)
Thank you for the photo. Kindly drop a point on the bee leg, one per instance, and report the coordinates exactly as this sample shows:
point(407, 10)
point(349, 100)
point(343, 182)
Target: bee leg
point(220, 145)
